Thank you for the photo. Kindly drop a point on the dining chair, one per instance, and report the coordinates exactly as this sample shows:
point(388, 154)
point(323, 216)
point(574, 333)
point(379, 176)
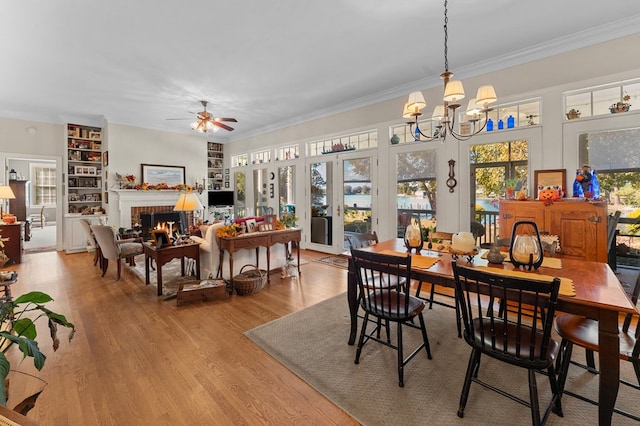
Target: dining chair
point(361, 240)
point(582, 331)
point(519, 340)
point(388, 303)
point(114, 249)
point(91, 240)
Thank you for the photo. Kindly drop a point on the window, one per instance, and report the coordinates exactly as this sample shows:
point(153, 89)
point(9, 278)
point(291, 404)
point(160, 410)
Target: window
point(598, 100)
point(352, 142)
point(491, 165)
point(416, 188)
point(43, 177)
point(239, 160)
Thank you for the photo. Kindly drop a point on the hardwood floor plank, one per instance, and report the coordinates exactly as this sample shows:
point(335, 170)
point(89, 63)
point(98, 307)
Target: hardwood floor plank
point(137, 359)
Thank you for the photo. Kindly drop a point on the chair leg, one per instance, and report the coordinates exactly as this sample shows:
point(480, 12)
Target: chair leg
point(591, 362)
point(533, 397)
point(400, 357)
point(363, 331)
point(474, 361)
point(556, 403)
point(119, 269)
point(425, 337)
point(105, 265)
point(566, 347)
point(431, 295)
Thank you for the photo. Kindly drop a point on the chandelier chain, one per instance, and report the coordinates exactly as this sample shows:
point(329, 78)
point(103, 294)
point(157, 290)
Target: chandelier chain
point(446, 38)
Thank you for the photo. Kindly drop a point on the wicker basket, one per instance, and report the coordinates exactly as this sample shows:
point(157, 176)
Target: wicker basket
point(249, 282)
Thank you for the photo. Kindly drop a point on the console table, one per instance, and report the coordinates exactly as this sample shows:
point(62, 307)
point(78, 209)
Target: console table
point(163, 255)
point(256, 240)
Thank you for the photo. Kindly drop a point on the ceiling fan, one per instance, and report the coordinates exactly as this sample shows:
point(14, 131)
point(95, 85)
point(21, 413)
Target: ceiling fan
point(206, 122)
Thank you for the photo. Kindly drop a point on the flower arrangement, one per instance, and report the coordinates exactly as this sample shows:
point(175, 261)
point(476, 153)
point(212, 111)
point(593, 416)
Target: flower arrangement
point(289, 220)
point(228, 230)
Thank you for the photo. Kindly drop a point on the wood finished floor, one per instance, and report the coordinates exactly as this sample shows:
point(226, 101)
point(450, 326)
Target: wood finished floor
point(138, 360)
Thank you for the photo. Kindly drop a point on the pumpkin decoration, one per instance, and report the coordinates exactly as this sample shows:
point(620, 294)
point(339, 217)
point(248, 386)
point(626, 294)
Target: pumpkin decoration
point(549, 194)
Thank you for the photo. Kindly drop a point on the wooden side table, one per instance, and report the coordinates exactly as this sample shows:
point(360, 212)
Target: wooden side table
point(163, 255)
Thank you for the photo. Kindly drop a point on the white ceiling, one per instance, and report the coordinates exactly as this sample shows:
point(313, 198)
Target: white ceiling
point(267, 63)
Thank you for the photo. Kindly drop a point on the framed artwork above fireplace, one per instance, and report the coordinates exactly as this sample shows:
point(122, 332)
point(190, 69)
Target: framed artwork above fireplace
point(154, 174)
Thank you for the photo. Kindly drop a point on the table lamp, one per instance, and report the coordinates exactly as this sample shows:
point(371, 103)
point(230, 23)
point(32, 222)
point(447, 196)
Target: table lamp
point(6, 193)
point(188, 202)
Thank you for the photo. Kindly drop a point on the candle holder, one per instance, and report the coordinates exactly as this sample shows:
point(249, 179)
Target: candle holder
point(413, 235)
point(525, 248)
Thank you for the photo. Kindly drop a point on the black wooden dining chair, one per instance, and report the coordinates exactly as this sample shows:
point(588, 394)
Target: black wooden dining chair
point(512, 337)
point(387, 304)
point(582, 331)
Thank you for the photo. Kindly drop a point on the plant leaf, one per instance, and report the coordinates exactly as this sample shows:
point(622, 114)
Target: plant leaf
point(4, 372)
point(33, 297)
point(27, 404)
point(25, 327)
point(28, 347)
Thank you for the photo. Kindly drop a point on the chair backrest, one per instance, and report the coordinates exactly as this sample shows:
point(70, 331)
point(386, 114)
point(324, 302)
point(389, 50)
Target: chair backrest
point(506, 333)
point(86, 226)
point(374, 272)
point(363, 240)
point(106, 239)
point(612, 224)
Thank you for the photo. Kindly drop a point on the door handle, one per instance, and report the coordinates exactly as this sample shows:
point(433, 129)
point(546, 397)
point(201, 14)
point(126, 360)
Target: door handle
point(338, 213)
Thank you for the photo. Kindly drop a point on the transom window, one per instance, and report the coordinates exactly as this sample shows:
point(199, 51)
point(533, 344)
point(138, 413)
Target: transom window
point(598, 100)
point(362, 140)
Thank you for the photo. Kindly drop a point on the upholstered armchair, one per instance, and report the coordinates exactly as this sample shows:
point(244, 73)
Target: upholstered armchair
point(113, 249)
point(209, 250)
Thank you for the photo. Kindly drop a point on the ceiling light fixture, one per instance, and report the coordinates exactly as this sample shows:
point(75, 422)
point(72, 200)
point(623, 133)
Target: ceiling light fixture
point(444, 115)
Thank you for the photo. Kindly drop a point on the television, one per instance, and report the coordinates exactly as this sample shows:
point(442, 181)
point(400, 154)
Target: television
point(220, 198)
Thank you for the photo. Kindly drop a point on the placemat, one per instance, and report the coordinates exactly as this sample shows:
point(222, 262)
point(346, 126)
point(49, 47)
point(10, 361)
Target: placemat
point(547, 262)
point(417, 261)
point(566, 284)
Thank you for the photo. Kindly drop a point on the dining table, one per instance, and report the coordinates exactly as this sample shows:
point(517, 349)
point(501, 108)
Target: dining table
point(598, 294)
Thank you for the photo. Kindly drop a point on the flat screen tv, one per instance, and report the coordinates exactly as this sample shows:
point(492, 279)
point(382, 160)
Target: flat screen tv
point(220, 198)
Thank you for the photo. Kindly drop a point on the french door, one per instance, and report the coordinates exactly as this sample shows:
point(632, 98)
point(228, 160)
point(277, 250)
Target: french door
point(341, 199)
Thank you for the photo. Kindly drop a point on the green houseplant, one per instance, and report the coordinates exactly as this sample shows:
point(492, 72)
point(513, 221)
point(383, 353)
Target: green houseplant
point(19, 328)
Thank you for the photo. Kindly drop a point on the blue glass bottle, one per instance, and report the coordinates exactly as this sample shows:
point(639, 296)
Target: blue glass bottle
point(489, 125)
point(596, 185)
point(577, 188)
point(511, 122)
point(500, 124)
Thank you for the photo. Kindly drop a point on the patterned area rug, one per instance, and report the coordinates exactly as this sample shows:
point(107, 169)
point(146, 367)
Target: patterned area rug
point(338, 261)
point(313, 344)
point(171, 274)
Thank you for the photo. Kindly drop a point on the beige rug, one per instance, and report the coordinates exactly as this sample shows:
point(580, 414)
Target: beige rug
point(171, 275)
point(313, 344)
point(337, 261)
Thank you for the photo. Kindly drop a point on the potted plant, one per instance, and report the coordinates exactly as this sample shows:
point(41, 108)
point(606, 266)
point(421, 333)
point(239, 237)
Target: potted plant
point(510, 188)
point(20, 329)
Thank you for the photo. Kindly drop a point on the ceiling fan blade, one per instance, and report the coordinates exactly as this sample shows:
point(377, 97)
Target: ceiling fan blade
point(222, 126)
point(225, 119)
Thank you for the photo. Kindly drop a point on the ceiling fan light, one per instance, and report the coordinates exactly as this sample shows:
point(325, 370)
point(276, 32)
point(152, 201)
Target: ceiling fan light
point(453, 91)
point(415, 102)
point(486, 95)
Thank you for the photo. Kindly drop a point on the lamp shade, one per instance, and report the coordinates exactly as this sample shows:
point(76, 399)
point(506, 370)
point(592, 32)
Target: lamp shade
point(416, 102)
point(486, 95)
point(6, 193)
point(188, 202)
point(454, 91)
point(407, 112)
point(438, 112)
point(472, 107)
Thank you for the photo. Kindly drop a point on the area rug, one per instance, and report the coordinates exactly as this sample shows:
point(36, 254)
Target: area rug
point(313, 344)
point(171, 275)
point(337, 261)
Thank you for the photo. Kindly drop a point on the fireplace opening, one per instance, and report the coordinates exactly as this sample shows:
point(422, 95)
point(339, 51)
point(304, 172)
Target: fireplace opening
point(150, 221)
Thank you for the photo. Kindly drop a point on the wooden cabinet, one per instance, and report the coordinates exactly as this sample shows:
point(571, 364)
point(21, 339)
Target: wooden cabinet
point(75, 238)
point(215, 166)
point(581, 227)
point(18, 205)
point(84, 168)
point(11, 234)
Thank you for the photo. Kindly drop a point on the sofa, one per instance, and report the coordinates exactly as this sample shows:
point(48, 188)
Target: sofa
point(210, 254)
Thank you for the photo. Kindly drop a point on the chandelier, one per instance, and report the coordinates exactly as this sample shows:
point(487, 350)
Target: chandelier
point(444, 115)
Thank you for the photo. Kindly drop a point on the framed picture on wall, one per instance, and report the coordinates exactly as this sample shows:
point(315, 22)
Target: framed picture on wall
point(549, 178)
point(154, 174)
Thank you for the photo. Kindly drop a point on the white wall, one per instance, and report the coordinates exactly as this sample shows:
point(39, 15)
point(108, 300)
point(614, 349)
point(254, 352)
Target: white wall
point(552, 146)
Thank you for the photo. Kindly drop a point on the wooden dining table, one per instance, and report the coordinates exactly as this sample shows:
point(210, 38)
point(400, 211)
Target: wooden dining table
point(598, 295)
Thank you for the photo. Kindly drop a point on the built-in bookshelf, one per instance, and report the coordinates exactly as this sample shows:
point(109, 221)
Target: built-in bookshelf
point(215, 167)
point(84, 168)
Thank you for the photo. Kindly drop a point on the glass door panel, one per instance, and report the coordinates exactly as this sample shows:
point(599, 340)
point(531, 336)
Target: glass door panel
point(286, 189)
point(321, 193)
point(357, 196)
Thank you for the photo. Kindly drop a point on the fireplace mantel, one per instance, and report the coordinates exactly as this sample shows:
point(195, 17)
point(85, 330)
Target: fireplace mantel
point(127, 198)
